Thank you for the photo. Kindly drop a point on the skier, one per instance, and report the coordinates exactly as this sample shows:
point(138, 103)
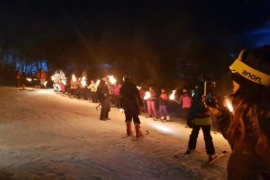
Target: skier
point(199, 118)
point(104, 99)
point(163, 101)
point(130, 100)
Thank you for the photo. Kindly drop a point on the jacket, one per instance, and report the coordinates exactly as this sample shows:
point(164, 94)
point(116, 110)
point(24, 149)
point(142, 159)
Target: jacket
point(163, 99)
point(103, 91)
point(199, 114)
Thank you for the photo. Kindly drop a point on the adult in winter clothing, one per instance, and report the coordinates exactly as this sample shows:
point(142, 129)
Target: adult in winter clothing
point(131, 101)
point(41, 75)
point(74, 85)
point(199, 118)
point(104, 99)
point(247, 127)
point(116, 91)
point(93, 91)
point(163, 101)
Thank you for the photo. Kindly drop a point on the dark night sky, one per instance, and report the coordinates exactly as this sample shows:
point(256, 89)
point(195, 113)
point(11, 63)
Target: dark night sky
point(168, 19)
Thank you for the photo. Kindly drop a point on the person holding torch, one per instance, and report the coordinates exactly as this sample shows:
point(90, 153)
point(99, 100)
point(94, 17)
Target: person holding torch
point(150, 97)
point(246, 121)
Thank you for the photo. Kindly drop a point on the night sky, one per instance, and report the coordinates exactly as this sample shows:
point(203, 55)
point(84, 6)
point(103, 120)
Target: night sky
point(105, 30)
point(161, 18)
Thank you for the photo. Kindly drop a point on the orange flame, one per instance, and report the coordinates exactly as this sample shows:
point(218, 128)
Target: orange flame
point(74, 79)
point(83, 81)
point(172, 95)
point(147, 95)
point(112, 79)
point(229, 104)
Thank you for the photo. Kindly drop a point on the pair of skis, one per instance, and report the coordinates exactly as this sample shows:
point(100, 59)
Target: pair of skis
point(208, 162)
point(134, 138)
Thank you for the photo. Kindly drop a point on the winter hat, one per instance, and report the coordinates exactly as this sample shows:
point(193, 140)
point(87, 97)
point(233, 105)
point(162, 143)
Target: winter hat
point(252, 67)
point(126, 78)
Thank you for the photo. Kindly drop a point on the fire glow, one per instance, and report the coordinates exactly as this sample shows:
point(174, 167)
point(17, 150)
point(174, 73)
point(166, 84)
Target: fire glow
point(83, 81)
point(74, 79)
point(112, 80)
point(172, 95)
point(229, 105)
point(147, 95)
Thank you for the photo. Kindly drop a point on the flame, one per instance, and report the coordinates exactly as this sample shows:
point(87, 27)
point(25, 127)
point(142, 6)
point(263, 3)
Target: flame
point(45, 83)
point(172, 95)
point(229, 104)
point(147, 95)
point(74, 79)
point(29, 79)
point(112, 79)
point(83, 81)
point(97, 82)
point(64, 82)
point(139, 87)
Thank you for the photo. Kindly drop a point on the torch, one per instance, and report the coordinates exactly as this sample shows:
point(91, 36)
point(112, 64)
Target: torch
point(73, 78)
point(83, 81)
point(147, 95)
point(172, 96)
point(112, 80)
point(228, 104)
point(97, 82)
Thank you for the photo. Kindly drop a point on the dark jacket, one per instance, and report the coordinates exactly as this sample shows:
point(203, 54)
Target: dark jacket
point(130, 95)
point(102, 91)
point(198, 114)
point(163, 99)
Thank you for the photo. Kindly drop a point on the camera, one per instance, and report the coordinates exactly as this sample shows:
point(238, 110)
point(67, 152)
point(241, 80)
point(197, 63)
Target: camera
point(209, 92)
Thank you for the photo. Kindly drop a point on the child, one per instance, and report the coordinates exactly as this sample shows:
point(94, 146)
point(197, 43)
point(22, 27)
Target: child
point(163, 101)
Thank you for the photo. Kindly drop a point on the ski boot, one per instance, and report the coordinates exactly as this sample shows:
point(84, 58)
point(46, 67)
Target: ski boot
point(138, 131)
point(129, 131)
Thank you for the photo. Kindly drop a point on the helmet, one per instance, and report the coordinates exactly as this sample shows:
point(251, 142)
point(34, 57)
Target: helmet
point(126, 78)
point(252, 67)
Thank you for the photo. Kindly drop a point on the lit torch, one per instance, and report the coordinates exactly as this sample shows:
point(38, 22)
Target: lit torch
point(73, 78)
point(64, 81)
point(45, 83)
point(112, 79)
point(147, 95)
point(172, 96)
point(97, 82)
point(228, 104)
point(83, 81)
point(29, 79)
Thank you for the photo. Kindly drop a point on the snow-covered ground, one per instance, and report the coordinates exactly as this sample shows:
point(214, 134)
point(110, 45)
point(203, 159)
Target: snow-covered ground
point(45, 135)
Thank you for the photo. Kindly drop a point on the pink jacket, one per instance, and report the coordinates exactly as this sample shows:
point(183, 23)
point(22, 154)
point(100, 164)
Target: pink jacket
point(185, 100)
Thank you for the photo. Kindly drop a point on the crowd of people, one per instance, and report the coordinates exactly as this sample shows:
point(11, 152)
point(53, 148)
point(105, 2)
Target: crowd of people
point(244, 121)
